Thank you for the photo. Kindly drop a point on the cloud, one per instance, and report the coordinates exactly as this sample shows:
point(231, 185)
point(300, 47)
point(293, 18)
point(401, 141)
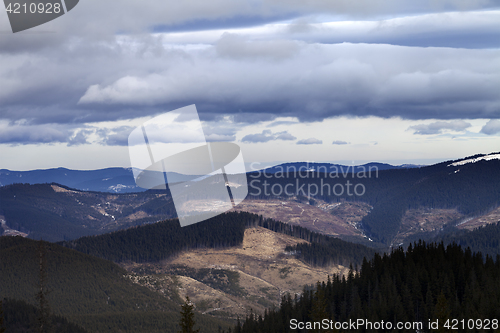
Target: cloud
point(322, 81)
point(99, 19)
point(266, 136)
point(220, 138)
point(451, 29)
point(20, 133)
point(79, 138)
point(440, 126)
point(310, 141)
point(492, 127)
point(87, 73)
point(337, 142)
point(223, 129)
point(117, 136)
point(282, 122)
point(285, 136)
point(240, 47)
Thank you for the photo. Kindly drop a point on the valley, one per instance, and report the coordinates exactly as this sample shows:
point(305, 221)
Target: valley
point(55, 212)
point(230, 282)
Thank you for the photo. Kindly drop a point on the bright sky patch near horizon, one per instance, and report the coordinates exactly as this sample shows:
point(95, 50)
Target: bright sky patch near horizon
point(345, 81)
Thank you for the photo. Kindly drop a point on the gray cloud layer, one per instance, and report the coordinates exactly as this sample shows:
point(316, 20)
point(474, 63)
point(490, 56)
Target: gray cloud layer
point(440, 126)
point(80, 71)
point(310, 141)
point(320, 81)
point(492, 127)
point(268, 135)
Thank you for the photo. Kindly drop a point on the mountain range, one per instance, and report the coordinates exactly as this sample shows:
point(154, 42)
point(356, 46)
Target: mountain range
point(123, 263)
point(121, 180)
point(396, 206)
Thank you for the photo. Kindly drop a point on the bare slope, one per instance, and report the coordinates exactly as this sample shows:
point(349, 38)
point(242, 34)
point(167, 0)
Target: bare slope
point(473, 223)
point(229, 282)
point(331, 219)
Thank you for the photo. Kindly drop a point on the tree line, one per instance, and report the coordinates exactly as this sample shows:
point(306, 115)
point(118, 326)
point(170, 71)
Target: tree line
point(159, 241)
point(427, 282)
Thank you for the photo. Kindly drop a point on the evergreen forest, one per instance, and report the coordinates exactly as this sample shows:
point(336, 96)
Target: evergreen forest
point(427, 282)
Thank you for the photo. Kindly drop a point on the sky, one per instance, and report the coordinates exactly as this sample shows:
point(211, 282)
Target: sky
point(395, 81)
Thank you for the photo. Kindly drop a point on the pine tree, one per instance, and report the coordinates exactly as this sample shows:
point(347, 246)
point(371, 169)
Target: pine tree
point(442, 312)
point(2, 328)
point(187, 318)
point(41, 296)
point(318, 310)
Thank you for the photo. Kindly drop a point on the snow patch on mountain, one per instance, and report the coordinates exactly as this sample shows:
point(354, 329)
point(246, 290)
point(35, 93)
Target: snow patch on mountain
point(120, 187)
point(477, 159)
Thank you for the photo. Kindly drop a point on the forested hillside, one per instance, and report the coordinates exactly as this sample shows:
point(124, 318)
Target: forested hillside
point(427, 282)
point(54, 213)
point(88, 291)
point(158, 241)
point(21, 317)
point(155, 242)
point(472, 189)
point(484, 239)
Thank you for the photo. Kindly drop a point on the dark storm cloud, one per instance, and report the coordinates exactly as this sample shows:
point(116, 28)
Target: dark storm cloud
point(268, 135)
point(310, 141)
point(82, 72)
point(440, 126)
point(249, 115)
point(492, 127)
point(321, 81)
point(140, 78)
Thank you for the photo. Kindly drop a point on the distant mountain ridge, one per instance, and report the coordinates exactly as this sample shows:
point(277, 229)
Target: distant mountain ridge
point(111, 180)
point(121, 180)
point(466, 190)
point(102, 180)
point(335, 168)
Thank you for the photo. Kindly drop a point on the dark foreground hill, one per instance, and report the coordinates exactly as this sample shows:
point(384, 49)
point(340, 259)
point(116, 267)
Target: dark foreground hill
point(21, 317)
point(87, 291)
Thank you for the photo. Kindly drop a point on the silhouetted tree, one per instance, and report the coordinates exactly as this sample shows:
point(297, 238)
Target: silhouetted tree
point(187, 317)
point(2, 328)
point(41, 296)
